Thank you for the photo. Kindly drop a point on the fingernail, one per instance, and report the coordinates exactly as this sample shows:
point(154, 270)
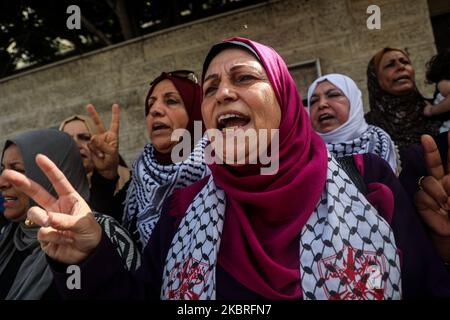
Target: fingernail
point(443, 212)
point(68, 240)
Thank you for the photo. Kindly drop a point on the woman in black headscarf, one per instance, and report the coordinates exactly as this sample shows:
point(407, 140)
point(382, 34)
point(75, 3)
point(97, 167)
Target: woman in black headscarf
point(24, 272)
point(396, 105)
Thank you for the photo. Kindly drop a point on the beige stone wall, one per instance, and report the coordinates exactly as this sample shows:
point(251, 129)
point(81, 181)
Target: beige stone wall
point(332, 30)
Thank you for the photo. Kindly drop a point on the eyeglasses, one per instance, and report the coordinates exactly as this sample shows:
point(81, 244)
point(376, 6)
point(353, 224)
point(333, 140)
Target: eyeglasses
point(183, 74)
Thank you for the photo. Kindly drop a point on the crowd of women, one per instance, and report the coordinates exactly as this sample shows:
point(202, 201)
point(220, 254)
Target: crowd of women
point(357, 207)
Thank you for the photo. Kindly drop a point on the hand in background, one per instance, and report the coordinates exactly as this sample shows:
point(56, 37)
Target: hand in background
point(104, 146)
point(432, 201)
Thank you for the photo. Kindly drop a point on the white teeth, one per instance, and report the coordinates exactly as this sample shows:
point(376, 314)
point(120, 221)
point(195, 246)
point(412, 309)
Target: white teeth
point(228, 115)
point(9, 199)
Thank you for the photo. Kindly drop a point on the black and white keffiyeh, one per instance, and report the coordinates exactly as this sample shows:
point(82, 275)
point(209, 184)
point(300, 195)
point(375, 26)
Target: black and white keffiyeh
point(373, 140)
point(152, 183)
point(122, 241)
point(347, 251)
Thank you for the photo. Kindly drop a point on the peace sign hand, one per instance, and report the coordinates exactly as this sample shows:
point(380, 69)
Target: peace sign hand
point(432, 201)
point(104, 146)
point(69, 231)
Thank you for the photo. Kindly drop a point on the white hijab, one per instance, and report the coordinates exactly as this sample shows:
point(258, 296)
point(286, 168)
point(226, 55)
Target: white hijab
point(355, 125)
point(355, 136)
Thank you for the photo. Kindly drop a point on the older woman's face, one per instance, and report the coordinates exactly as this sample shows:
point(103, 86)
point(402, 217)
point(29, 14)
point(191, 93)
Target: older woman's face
point(329, 107)
point(78, 130)
point(16, 203)
point(166, 113)
point(237, 95)
point(395, 73)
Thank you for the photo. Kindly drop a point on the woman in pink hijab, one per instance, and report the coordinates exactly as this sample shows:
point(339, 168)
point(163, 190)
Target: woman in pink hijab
point(250, 230)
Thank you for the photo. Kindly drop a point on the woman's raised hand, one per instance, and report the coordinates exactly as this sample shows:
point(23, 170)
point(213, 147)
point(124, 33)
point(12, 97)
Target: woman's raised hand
point(69, 231)
point(104, 146)
point(432, 200)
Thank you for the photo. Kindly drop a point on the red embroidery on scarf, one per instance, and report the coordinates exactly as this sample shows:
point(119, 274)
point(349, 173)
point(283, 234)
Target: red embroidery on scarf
point(360, 277)
point(188, 280)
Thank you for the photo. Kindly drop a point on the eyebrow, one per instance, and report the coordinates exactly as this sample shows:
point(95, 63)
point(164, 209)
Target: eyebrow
point(12, 163)
point(327, 92)
point(211, 76)
point(399, 58)
point(165, 95)
point(232, 69)
point(240, 66)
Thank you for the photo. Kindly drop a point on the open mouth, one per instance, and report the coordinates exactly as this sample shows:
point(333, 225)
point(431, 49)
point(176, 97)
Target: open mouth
point(232, 120)
point(9, 201)
point(325, 117)
point(159, 126)
point(405, 77)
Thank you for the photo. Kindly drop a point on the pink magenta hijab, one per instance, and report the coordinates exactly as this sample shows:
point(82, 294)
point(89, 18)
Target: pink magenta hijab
point(266, 213)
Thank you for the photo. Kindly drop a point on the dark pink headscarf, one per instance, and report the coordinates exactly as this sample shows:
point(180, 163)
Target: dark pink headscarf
point(266, 213)
point(190, 92)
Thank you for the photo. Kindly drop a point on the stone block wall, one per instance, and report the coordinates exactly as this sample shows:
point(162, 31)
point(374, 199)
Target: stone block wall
point(333, 31)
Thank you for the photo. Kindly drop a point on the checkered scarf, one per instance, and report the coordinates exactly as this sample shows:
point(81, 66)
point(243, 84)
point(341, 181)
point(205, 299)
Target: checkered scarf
point(152, 183)
point(346, 250)
point(373, 140)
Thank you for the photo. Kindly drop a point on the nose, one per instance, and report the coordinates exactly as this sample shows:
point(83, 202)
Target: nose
point(80, 144)
point(77, 141)
point(323, 102)
point(400, 66)
point(225, 93)
point(4, 184)
point(157, 110)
